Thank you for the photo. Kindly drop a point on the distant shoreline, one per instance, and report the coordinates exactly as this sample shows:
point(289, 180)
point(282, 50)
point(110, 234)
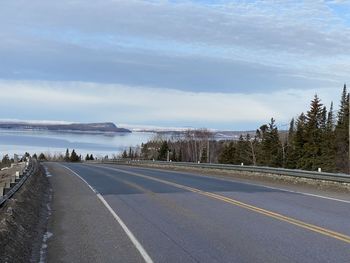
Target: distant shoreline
point(74, 127)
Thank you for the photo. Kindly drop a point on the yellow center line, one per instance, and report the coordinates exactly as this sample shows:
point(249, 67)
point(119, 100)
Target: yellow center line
point(296, 222)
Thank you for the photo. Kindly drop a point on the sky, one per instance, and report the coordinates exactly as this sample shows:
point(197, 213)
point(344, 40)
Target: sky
point(228, 65)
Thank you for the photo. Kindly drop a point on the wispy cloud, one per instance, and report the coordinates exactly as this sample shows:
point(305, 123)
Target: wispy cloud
point(220, 61)
point(151, 42)
point(78, 101)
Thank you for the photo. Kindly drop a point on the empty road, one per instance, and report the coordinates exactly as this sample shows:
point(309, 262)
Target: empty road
point(114, 213)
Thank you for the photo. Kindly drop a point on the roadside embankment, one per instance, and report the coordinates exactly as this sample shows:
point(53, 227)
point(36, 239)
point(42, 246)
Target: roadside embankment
point(9, 172)
point(23, 220)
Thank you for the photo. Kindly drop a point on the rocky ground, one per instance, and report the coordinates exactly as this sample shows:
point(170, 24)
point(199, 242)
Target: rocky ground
point(23, 221)
point(6, 173)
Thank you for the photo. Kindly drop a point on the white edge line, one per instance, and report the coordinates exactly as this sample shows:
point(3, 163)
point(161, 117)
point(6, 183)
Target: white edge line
point(276, 188)
point(247, 183)
point(131, 236)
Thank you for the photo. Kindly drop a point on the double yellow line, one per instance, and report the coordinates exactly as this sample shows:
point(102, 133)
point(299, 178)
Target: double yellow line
point(311, 227)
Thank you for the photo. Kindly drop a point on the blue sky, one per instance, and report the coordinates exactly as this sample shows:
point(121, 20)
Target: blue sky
point(215, 64)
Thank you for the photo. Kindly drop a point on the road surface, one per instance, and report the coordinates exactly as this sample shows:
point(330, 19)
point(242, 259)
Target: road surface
point(114, 213)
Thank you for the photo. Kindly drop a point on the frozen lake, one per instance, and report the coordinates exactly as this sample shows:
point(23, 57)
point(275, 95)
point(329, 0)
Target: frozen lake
point(99, 144)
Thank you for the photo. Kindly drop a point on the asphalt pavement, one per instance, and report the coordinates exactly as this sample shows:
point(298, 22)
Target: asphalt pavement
point(114, 213)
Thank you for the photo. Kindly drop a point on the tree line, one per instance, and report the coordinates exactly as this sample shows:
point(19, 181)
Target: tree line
point(316, 139)
point(67, 157)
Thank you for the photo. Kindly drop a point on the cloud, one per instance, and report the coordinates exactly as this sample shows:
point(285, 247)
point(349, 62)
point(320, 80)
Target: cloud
point(89, 102)
point(185, 63)
point(187, 45)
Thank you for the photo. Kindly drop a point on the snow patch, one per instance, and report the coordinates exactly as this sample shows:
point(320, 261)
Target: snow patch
point(48, 174)
point(43, 250)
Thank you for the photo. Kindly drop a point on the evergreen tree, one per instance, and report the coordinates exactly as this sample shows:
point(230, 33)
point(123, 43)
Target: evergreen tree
point(328, 143)
point(323, 124)
point(163, 151)
point(125, 154)
point(312, 157)
point(342, 134)
point(271, 149)
point(330, 119)
point(42, 157)
point(243, 151)
point(174, 156)
point(299, 141)
point(229, 154)
point(67, 156)
point(87, 158)
point(35, 156)
point(6, 160)
point(180, 156)
point(92, 158)
point(204, 155)
point(290, 158)
point(145, 152)
point(74, 157)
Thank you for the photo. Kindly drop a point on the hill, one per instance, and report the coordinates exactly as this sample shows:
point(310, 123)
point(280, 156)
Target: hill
point(81, 127)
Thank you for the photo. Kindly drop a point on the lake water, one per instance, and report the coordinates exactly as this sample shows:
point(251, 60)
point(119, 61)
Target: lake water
point(21, 141)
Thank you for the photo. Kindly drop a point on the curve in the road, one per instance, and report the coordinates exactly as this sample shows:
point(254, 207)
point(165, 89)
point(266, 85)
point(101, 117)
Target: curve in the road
point(311, 227)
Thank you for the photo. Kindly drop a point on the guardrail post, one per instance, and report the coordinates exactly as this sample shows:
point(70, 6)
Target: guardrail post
point(1, 190)
point(18, 177)
point(13, 181)
point(319, 170)
point(242, 164)
point(7, 187)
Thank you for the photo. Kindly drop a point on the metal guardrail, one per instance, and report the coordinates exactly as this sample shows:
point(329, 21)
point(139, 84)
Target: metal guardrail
point(342, 178)
point(28, 171)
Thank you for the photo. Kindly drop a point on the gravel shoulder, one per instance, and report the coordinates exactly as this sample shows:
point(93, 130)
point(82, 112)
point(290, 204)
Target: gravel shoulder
point(83, 230)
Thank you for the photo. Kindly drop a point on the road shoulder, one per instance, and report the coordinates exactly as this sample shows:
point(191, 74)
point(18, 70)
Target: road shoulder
point(83, 229)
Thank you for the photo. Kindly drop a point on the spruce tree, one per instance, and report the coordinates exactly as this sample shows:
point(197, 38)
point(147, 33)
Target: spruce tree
point(74, 157)
point(67, 156)
point(243, 151)
point(174, 156)
point(228, 154)
point(271, 148)
point(342, 134)
point(180, 156)
point(42, 157)
point(125, 154)
point(290, 153)
point(130, 153)
point(204, 155)
point(163, 151)
point(6, 160)
point(299, 141)
point(328, 143)
point(312, 157)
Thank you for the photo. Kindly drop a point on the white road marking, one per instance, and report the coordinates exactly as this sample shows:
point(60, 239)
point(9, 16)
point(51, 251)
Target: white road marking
point(237, 181)
point(303, 193)
point(127, 231)
point(81, 178)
